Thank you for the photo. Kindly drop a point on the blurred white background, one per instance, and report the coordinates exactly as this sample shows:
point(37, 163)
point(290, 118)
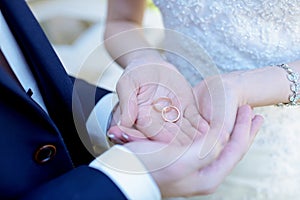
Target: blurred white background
point(75, 29)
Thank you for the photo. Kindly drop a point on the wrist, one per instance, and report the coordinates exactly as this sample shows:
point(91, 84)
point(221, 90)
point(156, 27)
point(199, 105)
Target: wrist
point(152, 62)
point(224, 88)
point(235, 84)
point(145, 56)
point(148, 57)
point(257, 87)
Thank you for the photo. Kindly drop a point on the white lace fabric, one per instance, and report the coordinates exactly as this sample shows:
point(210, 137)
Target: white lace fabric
point(248, 34)
point(238, 34)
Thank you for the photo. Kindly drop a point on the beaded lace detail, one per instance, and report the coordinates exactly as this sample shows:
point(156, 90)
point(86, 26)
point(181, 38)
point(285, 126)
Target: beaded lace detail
point(238, 34)
point(248, 34)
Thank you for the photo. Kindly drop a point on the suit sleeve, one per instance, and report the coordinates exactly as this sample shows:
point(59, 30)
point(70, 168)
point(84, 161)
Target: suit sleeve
point(81, 183)
point(128, 172)
point(89, 94)
point(116, 174)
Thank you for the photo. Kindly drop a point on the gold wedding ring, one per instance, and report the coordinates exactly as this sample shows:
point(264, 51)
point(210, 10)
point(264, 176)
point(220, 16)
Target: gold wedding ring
point(168, 109)
point(164, 106)
point(157, 103)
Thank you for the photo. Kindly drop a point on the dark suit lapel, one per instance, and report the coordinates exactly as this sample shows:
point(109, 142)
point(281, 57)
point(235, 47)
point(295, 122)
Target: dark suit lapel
point(12, 91)
point(52, 79)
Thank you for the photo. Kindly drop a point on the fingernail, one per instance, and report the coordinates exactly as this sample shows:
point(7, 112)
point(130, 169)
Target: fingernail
point(112, 138)
point(125, 136)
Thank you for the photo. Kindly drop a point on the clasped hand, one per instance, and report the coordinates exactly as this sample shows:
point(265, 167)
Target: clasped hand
point(186, 137)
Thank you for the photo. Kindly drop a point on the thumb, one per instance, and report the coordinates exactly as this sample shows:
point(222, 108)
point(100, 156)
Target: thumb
point(125, 134)
point(127, 92)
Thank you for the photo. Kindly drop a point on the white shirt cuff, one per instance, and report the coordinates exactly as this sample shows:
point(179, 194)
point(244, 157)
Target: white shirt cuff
point(99, 120)
point(127, 172)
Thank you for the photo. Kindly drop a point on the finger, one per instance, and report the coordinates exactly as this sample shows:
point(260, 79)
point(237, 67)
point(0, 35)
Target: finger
point(161, 131)
point(188, 132)
point(124, 134)
point(242, 125)
point(257, 122)
point(206, 180)
point(192, 114)
point(182, 134)
point(220, 130)
point(169, 134)
point(150, 122)
point(211, 142)
point(244, 131)
point(155, 128)
point(127, 92)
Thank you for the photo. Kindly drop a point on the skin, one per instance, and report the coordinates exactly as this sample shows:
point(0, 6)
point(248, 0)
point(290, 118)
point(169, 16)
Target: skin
point(229, 133)
point(146, 78)
point(181, 170)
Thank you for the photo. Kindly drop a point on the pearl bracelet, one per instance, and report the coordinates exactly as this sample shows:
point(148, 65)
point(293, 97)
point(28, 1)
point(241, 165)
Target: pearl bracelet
point(293, 77)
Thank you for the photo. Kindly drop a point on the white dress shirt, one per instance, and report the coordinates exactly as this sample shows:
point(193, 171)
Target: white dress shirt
point(139, 185)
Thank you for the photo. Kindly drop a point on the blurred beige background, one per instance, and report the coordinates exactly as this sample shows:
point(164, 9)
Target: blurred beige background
point(75, 29)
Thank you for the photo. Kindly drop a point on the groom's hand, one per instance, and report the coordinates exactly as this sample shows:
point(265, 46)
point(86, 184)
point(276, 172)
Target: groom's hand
point(183, 171)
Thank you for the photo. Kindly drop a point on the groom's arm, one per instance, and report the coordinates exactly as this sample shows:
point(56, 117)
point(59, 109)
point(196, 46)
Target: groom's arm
point(98, 105)
point(89, 94)
point(57, 181)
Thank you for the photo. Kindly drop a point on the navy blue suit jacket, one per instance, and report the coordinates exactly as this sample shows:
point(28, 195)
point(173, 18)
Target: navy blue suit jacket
point(43, 156)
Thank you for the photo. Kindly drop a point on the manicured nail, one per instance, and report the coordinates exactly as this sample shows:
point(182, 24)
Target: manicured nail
point(113, 139)
point(110, 136)
point(125, 136)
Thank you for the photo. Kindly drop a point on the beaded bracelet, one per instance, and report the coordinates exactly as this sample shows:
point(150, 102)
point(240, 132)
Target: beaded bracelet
point(293, 77)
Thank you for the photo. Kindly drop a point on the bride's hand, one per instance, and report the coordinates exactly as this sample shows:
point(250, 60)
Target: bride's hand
point(218, 100)
point(144, 90)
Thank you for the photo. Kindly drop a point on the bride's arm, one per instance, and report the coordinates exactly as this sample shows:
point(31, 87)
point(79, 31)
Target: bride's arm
point(219, 97)
point(263, 86)
point(147, 78)
point(124, 36)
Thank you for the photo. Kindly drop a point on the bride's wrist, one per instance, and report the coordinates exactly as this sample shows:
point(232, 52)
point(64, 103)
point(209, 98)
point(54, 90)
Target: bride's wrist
point(145, 56)
point(257, 87)
point(150, 60)
point(236, 87)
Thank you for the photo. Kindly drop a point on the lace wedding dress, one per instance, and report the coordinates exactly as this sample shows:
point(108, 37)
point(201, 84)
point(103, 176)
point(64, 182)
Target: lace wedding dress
point(248, 34)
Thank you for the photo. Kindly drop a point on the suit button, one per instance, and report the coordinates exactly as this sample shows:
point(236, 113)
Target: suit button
point(45, 153)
